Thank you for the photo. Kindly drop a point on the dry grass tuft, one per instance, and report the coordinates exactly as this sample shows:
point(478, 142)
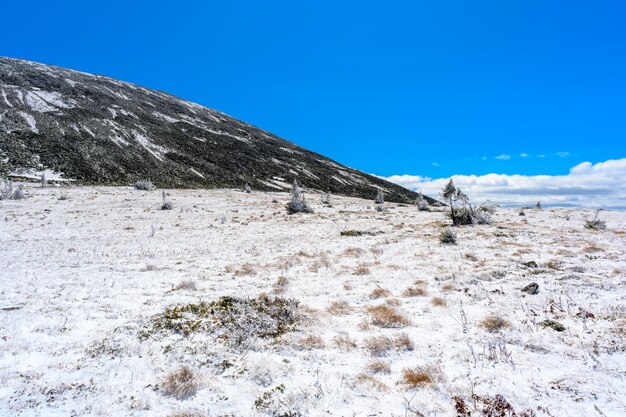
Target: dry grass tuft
point(187, 284)
point(494, 323)
point(354, 252)
point(394, 302)
point(310, 341)
point(189, 413)
point(414, 291)
point(364, 379)
point(181, 383)
point(150, 267)
point(361, 270)
point(448, 287)
point(418, 377)
point(243, 270)
point(378, 366)
point(403, 342)
point(339, 308)
point(438, 302)
point(280, 286)
point(376, 251)
point(387, 316)
point(344, 342)
point(378, 345)
point(379, 292)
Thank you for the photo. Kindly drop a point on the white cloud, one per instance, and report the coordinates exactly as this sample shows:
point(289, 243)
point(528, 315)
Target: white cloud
point(503, 157)
point(562, 154)
point(586, 185)
point(524, 155)
point(435, 164)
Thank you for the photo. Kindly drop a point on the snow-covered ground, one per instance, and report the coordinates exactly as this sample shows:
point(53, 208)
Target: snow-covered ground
point(83, 277)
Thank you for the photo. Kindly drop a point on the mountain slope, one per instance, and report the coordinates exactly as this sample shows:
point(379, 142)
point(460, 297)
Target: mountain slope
point(96, 129)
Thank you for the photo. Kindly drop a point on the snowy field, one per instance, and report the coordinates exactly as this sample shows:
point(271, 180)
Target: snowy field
point(389, 323)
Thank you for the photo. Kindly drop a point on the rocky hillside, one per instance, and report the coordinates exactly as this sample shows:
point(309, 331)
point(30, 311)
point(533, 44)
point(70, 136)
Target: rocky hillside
point(98, 130)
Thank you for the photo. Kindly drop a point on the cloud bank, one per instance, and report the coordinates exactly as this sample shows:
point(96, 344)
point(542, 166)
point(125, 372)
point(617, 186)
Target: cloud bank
point(600, 185)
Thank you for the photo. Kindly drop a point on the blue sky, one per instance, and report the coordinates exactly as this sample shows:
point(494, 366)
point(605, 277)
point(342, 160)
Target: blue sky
point(429, 88)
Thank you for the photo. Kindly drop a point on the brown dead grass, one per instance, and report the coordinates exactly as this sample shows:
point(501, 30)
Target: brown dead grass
point(339, 308)
point(364, 379)
point(242, 270)
point(494, 323)
point(415, 291)
point(310, 342)
point(387, 316)
point(378, 366)
point(361, 270)
point(402, 342)
point(380, 292)
point(354, 252)
point(438, 302)
point(417, 377)
point(181, 383)
point(344, 342)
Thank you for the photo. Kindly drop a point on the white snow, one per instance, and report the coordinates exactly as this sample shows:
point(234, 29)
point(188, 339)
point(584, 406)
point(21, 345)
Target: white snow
point(30, 120)
point(196, 172)
point(81, 276)
point(6, 100)
point(156, 150)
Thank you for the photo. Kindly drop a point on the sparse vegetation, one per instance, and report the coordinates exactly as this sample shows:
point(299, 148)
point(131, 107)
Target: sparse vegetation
point(494, 323)
point(418, 377)
point(232, 319)
point(8, 192)
point(181, 383)
point(462, 211)
point(166, 205)
point(595, 223)
point(387, 316)
point(379, 292)
point(298, 203)
point(448, 237)
point(144, 185)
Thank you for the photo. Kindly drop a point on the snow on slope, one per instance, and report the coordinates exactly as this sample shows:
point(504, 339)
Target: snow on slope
point(81, 276)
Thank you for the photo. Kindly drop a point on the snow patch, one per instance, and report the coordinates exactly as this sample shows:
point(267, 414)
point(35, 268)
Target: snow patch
point(30, 120)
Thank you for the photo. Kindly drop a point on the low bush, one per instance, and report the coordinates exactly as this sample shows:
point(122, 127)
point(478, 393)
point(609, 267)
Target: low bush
point(144, 185)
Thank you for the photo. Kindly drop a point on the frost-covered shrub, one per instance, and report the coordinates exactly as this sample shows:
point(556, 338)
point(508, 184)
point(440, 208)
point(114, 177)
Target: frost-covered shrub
point(380, 197)
point(421, 203)
point(380, 208)
point(247, 189)
point(44, 181)
point(595, 223)
point(167, 205)
point(8, 192)
point(462, 211)
point(145, 185)
point(298, 203)
point(447, 236)
point(325, 199)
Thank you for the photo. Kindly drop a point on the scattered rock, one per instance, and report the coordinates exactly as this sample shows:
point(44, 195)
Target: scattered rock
point(530, 264)
point(532, 288)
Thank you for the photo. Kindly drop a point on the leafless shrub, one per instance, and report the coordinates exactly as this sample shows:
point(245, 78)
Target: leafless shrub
point(494, 323)
point(247, 189)
point(181, 383)
point(387, 316)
